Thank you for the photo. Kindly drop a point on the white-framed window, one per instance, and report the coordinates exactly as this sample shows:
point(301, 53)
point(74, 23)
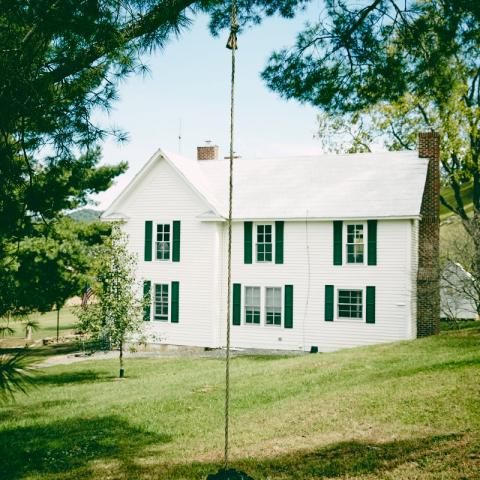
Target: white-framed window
point(350, 303)
point(264, 244)
point(273, 306)
point(162, 244)
point(252, 305)
point(355, 246)
point(161, 302)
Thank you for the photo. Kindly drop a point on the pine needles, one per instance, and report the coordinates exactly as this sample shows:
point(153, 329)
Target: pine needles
point(15, 375)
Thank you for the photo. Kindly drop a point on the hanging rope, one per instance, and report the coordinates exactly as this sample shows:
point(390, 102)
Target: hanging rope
point(225, 473)
point(232, 45)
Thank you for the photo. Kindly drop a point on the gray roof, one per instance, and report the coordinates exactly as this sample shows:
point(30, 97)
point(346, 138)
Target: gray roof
point(366, 185)
point(372, 185)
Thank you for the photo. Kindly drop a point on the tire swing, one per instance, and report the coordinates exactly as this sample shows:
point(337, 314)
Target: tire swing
point(226, 473)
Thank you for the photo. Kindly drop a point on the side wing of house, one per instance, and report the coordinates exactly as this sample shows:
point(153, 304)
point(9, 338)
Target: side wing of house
point(457, 293)
point(177, 252)
point(335, 284)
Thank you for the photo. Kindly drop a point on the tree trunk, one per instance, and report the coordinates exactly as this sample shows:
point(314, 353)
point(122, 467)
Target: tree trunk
point(58, 322)
point(122, 371)
point(28, 336)
point(476, 261)
point(472, 226)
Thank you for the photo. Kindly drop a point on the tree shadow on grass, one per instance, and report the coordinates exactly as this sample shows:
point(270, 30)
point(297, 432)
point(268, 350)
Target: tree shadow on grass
point(60, 447)
point(37, 353)
point(81, 376)
point(398, 372)
point(343, 459)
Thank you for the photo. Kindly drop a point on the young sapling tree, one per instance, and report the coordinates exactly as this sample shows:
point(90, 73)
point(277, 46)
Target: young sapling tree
point(117, 310)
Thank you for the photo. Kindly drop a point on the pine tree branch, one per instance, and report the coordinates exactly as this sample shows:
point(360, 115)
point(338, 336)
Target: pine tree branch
point(363, 14)
point(164, 14)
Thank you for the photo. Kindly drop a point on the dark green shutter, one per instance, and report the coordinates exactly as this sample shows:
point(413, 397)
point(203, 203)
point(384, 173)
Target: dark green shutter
point(148, 240)
point(372, 242)
point(237, 304)
point(279, 242)
point(288, 306)
point(176, 241)
point(370, 305)
point(247, 242)
point(329, 302)
point(147, 300)
point(337, 242)
point(175, 294)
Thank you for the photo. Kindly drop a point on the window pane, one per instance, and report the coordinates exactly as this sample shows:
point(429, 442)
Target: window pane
point(273, 306)
point(344, 296)
point(355, 244)
point(252, 305)
point(163, 242)
point(269, 297)
point(264, 243)
point(350, 303)
point(350, 234)
point(161, 302)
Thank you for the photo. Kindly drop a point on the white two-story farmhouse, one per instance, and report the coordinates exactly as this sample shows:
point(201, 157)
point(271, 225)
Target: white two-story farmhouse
point(328, 251)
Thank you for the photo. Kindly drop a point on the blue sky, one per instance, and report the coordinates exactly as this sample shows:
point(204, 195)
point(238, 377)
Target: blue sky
point(189, 82)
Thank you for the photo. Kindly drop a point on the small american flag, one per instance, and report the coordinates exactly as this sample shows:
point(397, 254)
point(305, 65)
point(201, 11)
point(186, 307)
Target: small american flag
point(87, 293)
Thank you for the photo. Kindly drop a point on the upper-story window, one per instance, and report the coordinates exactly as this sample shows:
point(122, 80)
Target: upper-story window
point(264, 243)
point(355, 243)
point(162, 245)
point(350, 303)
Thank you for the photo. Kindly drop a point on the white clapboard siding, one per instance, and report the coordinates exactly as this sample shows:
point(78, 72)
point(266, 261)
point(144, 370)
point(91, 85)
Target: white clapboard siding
point(171, 188)
point(162, 197)
point(308, 266)
point(413, 278)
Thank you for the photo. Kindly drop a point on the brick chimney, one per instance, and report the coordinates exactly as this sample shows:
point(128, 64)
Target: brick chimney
point(207, 152)
point(428, 277)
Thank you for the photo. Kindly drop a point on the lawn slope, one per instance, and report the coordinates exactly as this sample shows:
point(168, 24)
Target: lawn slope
point(47, 327)
point(407, 410)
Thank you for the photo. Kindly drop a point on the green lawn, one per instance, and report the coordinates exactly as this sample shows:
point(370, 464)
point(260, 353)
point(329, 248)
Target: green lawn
point(47, 327)
point(408, 410)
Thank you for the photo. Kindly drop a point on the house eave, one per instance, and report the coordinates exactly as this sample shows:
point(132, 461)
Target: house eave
point(114, 217)
point(312, 219)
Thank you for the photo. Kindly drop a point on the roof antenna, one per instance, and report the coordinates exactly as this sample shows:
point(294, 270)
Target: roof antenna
point(180, 135)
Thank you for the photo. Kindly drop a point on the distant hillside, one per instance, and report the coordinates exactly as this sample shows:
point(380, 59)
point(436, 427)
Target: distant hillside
point(85, 215)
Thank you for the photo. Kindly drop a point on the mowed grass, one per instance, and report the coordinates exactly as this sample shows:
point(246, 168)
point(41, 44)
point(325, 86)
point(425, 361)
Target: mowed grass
point(47, 327)
point(407, 410)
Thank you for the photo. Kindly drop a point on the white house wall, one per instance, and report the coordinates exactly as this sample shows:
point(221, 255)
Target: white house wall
point(412, 325)
point(308, 266)
point(162, 196)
